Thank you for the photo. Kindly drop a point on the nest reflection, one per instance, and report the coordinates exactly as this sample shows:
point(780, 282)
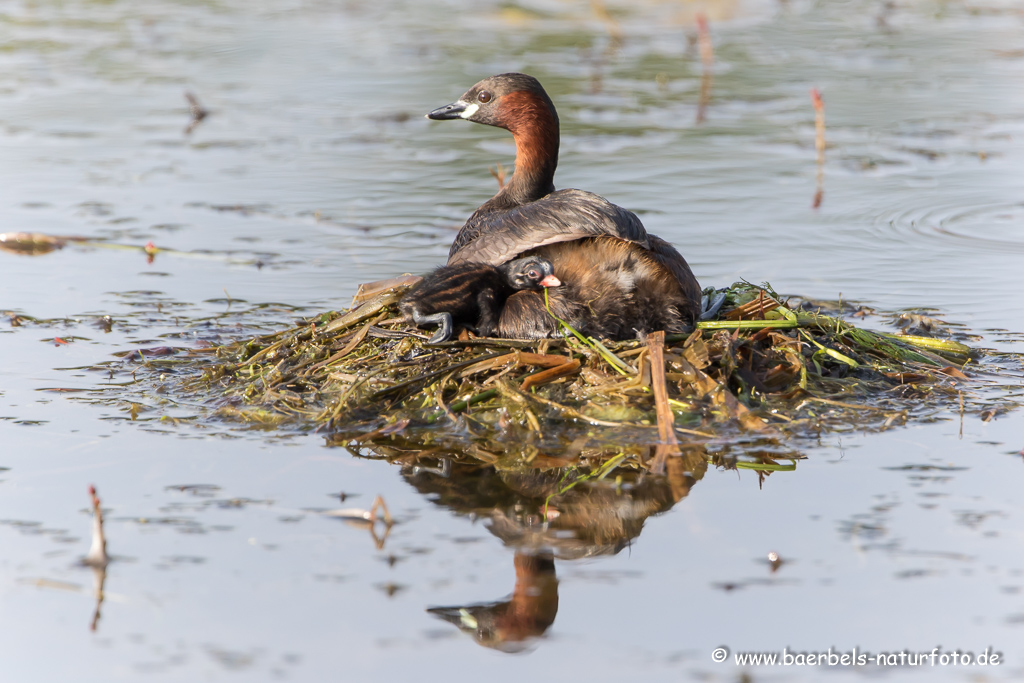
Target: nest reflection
point(566, 505)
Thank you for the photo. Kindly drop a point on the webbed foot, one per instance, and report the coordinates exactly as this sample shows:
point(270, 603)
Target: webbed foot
point(444, 322)
point(711, 306)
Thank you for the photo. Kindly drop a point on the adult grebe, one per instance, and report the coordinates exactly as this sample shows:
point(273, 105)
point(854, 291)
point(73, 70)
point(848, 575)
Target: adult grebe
point(620, 281)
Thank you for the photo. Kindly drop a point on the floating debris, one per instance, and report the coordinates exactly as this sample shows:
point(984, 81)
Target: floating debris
point(367, 519)
point(196, 111)
point(367, 516)
point(31, 243)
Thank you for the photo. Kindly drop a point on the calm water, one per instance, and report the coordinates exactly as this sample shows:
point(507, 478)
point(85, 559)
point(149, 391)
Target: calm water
point(316, 171)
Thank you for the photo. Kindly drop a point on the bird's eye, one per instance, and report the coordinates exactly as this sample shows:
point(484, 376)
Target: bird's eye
point(533, 274)
point(484, 96)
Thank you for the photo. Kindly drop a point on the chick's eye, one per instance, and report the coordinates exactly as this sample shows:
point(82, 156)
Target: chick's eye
point(484, 96)
point(533, 275)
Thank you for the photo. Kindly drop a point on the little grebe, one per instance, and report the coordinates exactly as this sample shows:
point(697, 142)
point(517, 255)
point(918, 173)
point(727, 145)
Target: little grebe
point(473, 294)
point(622, 280)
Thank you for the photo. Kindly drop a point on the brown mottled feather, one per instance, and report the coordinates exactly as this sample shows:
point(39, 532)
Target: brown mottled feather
point(610, 289)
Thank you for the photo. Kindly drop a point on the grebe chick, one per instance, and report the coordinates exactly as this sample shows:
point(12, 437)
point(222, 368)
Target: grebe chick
point(572, 229)
point(607, 291)
point(473, 294)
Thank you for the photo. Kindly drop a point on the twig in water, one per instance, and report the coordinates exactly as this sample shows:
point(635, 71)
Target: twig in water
point(378, 502)
point(961, 436)
point(668, 445)
point(819, 145)
point(197, 112)
point(707, 61)
point(614, 29)
point(368, 518)
point(97, 556)
point(498, 172)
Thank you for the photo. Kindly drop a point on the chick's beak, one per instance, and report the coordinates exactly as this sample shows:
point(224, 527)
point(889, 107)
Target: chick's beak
point(550, 281)
point(454, 110)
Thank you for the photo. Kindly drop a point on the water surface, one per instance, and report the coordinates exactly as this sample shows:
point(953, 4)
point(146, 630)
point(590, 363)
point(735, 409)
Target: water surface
point(316, 171)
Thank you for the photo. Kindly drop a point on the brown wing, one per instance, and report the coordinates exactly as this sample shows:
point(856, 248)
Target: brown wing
point(610, 289)
point(665, 254)
point(563, 216)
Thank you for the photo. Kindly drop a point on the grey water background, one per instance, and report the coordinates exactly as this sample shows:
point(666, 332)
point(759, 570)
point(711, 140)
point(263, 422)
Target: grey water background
point(317, 165)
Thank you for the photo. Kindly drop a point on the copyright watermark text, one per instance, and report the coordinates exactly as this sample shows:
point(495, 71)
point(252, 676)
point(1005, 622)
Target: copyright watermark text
point(856, 657)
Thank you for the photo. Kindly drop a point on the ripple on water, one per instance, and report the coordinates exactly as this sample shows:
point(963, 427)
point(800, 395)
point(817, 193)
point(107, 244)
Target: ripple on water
point(997, 227)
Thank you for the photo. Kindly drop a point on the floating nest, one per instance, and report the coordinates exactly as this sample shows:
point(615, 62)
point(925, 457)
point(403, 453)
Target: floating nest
point(742, 390)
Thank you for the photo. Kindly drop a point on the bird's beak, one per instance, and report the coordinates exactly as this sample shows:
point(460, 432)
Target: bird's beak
point(550, 281)
point(455, 110)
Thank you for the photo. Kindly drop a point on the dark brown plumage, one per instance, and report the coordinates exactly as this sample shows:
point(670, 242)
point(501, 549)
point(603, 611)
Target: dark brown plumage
point(651, 286)
point(472, 294)
point(609, 289)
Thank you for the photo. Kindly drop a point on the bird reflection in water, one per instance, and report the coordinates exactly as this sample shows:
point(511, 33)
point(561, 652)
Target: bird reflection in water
point(511, 624)
point(543, 512)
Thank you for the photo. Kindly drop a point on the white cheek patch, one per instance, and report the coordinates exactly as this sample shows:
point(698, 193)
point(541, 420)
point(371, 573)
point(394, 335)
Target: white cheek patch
point(469, 111)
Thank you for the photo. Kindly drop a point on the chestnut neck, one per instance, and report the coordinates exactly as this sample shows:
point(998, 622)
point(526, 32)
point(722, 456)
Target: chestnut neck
point(533, 122)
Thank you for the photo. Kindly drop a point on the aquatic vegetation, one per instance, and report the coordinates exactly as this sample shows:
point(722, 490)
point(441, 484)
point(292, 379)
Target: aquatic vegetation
point(742, 389)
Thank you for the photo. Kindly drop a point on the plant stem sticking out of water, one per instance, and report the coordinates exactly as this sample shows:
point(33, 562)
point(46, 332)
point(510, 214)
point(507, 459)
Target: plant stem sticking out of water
point(707, 61)
point(499, 173)
point(97, 556)
point(666, 419)
point(819, 145)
